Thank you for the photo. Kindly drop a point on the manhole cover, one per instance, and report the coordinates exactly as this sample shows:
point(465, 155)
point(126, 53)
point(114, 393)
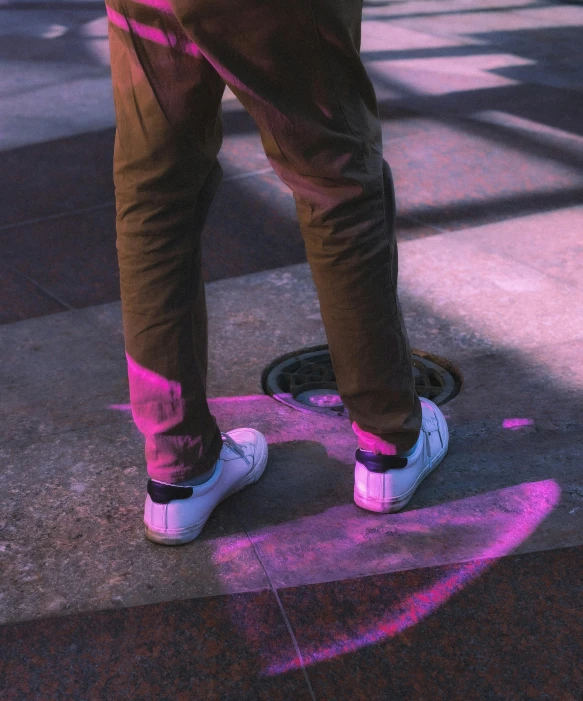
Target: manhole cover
point(305, 380)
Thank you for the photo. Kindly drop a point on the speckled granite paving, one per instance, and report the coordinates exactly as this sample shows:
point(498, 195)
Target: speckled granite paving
point(504, 629)
point(292, 592)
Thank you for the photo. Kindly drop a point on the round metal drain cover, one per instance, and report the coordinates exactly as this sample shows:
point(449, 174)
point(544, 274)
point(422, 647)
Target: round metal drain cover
point(305, 380)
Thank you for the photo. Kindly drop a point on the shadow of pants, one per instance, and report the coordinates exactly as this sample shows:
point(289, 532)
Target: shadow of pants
point(295, 66)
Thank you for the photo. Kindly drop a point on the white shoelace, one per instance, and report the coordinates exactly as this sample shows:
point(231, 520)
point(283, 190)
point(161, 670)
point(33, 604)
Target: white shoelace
point(235, 447)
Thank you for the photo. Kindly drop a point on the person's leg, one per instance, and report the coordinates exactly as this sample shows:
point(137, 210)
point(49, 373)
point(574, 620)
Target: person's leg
point(167, 100)
point(295, 66)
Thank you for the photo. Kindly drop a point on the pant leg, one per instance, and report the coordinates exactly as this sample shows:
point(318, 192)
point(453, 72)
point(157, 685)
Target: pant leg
point(167, 101)
point(295, 66)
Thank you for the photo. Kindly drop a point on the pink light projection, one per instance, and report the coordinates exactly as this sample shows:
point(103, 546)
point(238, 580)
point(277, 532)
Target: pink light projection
point(368, 441)
point(211, 400)
point(158, 406)
point(538, 499)
point(238, 399)
point(167, 38)
point(515, 424)
point(232, 547)
point(120, 407)
point(467, 536)
point(157, 36)
point(159, 401)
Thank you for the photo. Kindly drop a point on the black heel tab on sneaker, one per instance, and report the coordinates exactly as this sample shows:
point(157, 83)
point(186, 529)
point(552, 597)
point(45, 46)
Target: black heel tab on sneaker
point(380, 463)
point(165, 493)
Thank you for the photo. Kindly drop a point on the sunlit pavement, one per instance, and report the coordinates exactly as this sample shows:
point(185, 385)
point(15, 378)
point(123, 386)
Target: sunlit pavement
point(292, 592)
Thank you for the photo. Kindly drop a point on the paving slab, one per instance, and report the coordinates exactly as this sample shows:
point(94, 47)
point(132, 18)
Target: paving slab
point(27, 300)
point(212, 649)
point(42, 113)
point(74, 256)
point(482, 279)
point(505, 629)
point(489, 174)
point(519, 242)
point(72, 537)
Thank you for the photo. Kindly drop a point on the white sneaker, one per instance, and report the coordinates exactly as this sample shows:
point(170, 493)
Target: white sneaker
point(176, 513)
point(386, 483)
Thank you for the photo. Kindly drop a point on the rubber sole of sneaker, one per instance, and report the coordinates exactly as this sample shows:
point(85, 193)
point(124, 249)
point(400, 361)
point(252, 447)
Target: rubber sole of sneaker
point(394, 504)
point(181, 536)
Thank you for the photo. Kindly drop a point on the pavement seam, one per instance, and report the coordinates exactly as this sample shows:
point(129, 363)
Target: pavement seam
point(39, 287)
point(57, 215)
point(111, 203)
point(428, 225)
point(284, 615)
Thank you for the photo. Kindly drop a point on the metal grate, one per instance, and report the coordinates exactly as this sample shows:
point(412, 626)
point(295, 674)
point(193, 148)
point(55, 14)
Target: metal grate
point(305, 380)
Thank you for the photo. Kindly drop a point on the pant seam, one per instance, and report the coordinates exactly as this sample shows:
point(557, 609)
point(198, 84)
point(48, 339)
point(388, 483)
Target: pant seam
point(326, 62)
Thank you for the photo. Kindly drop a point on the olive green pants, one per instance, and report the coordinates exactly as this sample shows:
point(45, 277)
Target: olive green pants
point(295, 66)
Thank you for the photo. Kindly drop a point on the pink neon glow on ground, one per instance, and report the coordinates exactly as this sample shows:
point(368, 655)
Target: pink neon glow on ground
point(513, 424)
point(211, 400)
point(540, 499)
point(231, 547)
point(157, 36)
point(237, 399)
point(120, 407)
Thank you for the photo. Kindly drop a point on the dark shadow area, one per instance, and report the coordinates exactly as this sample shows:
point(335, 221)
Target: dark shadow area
point(555, 107)
point(72, 173)
point(382, 3)
point(460, 215)
point(542, 45)
point(67, 49)
point(432, 52)
point(56, 177)
point(58, 225)
point(53, 5)
point(71, 260)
